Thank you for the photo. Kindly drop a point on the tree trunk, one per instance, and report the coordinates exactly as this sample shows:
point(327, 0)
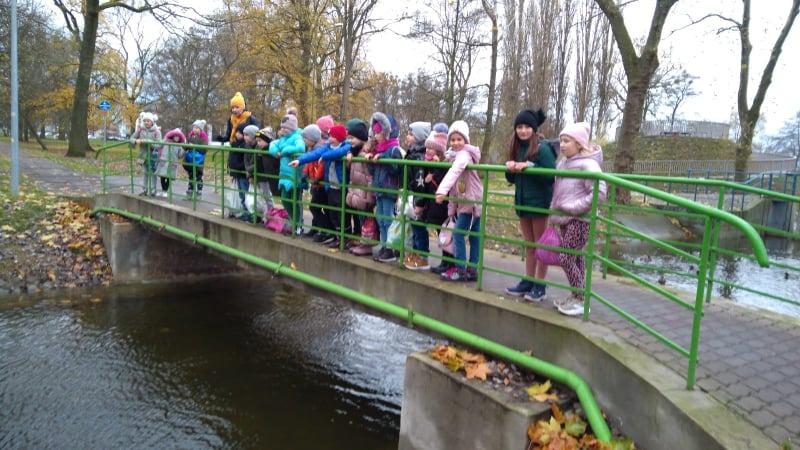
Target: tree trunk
point(489, 129)
point(78, 140)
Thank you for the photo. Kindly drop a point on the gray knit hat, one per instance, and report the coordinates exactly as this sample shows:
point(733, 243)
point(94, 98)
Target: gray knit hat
point(312, 133)
point(250, 130)
point(200, 123)
point(420, 130)
point(289, 122)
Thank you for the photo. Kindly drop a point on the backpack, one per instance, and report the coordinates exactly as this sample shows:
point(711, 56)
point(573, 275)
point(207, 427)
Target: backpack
point(555, 144)
point(277, 220)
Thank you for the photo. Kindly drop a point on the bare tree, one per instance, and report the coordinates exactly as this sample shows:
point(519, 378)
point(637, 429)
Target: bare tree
point(456, 38)
point(88, 15)
point(588, 40)
point(564, 13)
point(639, 69)
point(676, 91)
point(606, 62)
point(749, 115)
point(788, 138)
point(355, 19)
point(491, 11)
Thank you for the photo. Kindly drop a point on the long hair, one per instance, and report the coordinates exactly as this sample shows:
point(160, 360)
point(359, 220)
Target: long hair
point(533, 146)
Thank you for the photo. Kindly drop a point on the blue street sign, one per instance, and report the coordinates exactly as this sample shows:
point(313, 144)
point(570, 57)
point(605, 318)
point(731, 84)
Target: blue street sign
point(105, 105)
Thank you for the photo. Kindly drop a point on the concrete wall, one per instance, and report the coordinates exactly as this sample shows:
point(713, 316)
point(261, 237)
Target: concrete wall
point(648, 399)
point(442, 411)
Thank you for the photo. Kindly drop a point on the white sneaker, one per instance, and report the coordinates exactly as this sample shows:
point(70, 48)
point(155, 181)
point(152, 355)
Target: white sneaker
point(162, 194)
point(561, 301)
point(572, 307)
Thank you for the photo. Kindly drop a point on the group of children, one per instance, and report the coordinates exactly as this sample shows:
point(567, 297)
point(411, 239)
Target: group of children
point(162, 161)
point(320, 157)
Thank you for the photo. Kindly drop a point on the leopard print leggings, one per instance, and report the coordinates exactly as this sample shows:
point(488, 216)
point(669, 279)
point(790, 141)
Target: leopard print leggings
point(574, 235)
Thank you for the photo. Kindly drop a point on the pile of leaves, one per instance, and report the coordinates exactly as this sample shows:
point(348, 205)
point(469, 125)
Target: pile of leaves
point(567, 431)
point(563, 431)
point(49, 243)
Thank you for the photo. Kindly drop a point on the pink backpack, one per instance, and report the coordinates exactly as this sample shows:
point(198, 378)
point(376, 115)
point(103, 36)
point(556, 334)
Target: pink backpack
point(278, 220)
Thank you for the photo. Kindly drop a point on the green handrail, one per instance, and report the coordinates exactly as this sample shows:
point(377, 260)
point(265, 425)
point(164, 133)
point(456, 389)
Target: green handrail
point(559, 374)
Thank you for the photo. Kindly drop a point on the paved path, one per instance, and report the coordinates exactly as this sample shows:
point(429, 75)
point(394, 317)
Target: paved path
point(749, 359)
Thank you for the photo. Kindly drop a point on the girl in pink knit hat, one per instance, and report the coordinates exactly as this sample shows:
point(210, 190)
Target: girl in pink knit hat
point(572, 198)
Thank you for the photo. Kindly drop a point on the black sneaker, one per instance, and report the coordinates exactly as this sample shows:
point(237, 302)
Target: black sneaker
point(310, 234)
point(319, 237)
point(387, 255)
point(441, 268)
point(328, 239)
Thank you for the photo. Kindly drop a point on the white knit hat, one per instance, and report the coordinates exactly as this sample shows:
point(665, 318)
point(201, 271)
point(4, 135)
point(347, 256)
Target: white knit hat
point(460, 127)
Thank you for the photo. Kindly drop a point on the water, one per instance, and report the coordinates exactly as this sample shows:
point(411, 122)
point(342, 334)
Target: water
point(736, 270)
point(222, 363)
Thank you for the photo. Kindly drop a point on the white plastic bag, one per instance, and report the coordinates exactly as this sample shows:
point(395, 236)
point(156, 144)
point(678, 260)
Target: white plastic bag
point(258, 199)
point(232, 201)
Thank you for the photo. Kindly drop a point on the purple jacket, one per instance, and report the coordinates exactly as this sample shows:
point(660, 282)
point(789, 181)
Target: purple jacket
point(574, 195)
point(461, 183)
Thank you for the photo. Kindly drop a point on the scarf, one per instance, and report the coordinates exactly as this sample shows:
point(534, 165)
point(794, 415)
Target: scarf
point(236, 121)
point(386, 145)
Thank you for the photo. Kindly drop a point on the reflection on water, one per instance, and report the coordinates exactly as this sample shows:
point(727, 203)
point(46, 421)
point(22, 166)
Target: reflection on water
point(734, 270)
point(223, 363)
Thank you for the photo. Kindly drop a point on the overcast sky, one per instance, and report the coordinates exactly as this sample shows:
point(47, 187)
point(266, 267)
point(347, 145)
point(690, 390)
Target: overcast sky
point(699, 49)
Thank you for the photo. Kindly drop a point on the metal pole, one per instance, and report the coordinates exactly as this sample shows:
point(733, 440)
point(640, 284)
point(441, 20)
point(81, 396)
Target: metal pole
point(14, 104)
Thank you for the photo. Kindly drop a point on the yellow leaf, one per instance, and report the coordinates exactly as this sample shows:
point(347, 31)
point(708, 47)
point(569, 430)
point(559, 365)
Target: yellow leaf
point(538, 392)
point(7, 228)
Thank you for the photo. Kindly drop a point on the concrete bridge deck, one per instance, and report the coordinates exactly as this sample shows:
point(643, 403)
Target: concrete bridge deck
point(749, 359)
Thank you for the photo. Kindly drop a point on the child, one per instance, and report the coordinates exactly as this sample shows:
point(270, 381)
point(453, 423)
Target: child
point(574, 197)
point(237, 172)
point(288, 147)
point(148, 153)
point(358, 198)
point(385, 177)
point(314, 170)
point(248, 165)
point(169, 158)
point(331, 155)
point(195, 158)
point(258, 165)
point(415, 183)
point(465, 191)
point(430, 211)
point(530, 191)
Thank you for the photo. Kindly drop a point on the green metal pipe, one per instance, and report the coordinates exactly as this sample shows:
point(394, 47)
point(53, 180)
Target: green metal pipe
point(559, 374)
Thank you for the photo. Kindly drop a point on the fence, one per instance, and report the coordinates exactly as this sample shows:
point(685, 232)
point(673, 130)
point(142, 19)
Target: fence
point(683, 167)
point(497, 210)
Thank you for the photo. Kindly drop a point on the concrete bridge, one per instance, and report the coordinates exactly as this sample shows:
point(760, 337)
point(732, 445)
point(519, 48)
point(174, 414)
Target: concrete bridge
point(747, 393)
point(748, 388)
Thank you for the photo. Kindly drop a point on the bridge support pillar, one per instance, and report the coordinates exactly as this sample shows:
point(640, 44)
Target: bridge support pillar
point(137, 253)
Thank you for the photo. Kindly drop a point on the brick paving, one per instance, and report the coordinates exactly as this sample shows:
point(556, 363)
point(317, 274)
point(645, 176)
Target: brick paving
point(749, 359)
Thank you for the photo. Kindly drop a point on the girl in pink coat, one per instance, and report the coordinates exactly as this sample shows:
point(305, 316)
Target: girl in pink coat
point(573, 196)
point(464, 190)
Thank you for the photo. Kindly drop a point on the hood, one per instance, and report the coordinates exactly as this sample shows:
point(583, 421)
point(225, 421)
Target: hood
point(381, 119)
point(474, 153)
point(594, 152)
point(176, 132)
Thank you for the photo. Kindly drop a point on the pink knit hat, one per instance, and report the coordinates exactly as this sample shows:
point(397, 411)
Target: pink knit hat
point(436, 141)
point(578, 131)
point(325, 123)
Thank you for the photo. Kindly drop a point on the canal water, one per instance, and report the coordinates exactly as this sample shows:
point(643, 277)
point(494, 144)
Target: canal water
point(736, 270)
point(217, 363)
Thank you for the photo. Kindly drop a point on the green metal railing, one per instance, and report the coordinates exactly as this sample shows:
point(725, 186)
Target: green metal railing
point(497, 209)
point(412, 318)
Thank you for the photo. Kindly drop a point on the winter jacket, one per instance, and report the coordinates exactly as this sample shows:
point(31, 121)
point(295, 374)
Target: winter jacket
point(415, 180)
point(289, 146)
point(432, 212)
point(146, 134)
point(236, 166)
point(171, 156)
point(534, 190)
point(332, 160)
point(359, 198)
point(246, 118)
point(574, 195)
point(387, 176)
point(196, 155)
point(460, 183)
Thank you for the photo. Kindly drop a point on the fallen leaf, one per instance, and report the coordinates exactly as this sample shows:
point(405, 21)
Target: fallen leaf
point(479, 370)
point(538, 392)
